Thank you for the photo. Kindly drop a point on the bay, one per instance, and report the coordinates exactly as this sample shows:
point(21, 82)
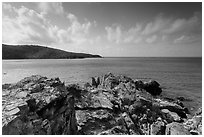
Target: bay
point(177, 76)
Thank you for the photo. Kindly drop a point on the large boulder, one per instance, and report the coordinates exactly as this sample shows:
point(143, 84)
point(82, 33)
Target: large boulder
point(176, 129)
point(153, 87)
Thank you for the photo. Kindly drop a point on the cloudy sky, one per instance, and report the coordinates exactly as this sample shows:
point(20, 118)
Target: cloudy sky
point(108, 29)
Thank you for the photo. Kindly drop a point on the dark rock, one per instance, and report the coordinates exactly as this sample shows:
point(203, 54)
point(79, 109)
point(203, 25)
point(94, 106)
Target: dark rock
point(32, 104)
point(56, 82)
point(153, 88)
point(6, 86)
point(139, 84)
point(181, 98)
point(93, 82)
point(37, 88)
point(124, 79)
point(98, 81)
point(179, 103)
point(186, 110)
point(194, 132)
point(74, 90)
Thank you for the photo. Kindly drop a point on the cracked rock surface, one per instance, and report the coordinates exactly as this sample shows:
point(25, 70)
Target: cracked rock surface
point(109, 105)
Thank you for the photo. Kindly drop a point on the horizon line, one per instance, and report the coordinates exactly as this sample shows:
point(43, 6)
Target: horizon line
point(152, 57)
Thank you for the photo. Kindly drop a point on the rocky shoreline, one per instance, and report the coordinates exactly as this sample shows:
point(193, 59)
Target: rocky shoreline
point(109, 105)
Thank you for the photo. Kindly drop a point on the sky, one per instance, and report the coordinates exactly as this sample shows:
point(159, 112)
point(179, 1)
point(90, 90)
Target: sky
point(118, 29)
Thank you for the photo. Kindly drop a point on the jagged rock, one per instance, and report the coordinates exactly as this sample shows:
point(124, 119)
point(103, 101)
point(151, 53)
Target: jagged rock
point(93, 82)
point(139, 84)
point(200, 129)
point(12, 111)
point(158, 128)
point(176, 129)
point(174, 116)
point(37, 88)
point(181, 98)
point(109, 81)
point(98, 81)
point(23, 112)
point(117, 130)
point(132, 130)
point(94, 121)
point(5, 92)
point(179, 103)
point(111, 105)
point(95, 99)
point(199, 112)
point(87, 85)
point(6, 86)
point(194, 123)
point(22, 94)
point(173, 107)
point(153, 88)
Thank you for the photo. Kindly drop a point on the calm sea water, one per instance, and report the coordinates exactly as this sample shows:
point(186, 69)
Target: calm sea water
point(177, 76)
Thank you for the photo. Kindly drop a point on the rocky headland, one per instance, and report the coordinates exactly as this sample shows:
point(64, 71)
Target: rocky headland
point(40, 52)
point(109, 105)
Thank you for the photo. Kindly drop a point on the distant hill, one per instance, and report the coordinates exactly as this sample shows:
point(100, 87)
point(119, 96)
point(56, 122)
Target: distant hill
point(39, 52)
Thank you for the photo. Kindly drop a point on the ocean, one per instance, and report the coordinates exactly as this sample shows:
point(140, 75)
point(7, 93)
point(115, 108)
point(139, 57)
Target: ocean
point(177, 76)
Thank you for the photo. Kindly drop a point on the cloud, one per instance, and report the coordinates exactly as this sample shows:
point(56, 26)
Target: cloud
point(186, 39)
point(30, 27)
point(160, 29)
point(185, 25)
point(77, 27)
point(156, 26)
point(114, 34)
point(51, 7)
point(26, 26)
point(151, 39)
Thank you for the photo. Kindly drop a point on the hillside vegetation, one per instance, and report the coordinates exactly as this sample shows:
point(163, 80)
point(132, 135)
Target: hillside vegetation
point(39, 52)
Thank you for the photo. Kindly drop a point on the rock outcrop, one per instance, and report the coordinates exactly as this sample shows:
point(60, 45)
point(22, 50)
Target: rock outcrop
point(38, 105)
point(109, 105)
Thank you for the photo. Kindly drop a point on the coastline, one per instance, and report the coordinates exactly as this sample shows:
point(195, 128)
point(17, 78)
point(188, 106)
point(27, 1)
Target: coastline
point(107, 100)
